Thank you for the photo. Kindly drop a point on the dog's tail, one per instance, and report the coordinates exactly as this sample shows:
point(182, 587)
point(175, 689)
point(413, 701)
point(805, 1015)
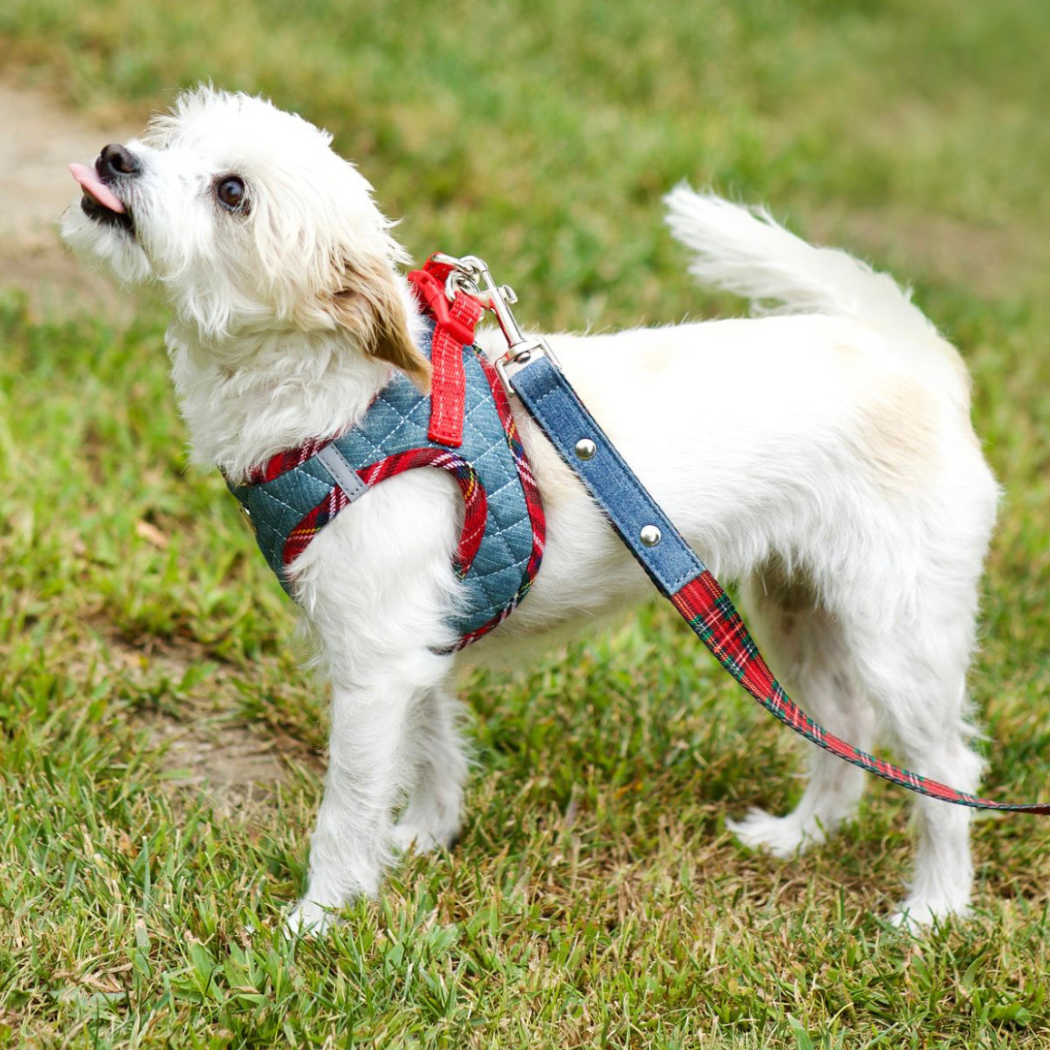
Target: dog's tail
point(745, 251)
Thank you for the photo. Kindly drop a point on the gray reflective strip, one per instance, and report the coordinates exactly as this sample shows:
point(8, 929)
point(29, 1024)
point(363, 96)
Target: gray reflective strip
point(343, 474)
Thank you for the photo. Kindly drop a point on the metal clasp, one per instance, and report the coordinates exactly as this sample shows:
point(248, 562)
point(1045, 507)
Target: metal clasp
point(471, 275)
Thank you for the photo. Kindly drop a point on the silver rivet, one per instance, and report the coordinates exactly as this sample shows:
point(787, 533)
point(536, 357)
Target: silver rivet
point(650, 535)
point(585, 448)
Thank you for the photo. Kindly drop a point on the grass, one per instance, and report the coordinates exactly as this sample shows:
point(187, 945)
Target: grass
point(595, 899)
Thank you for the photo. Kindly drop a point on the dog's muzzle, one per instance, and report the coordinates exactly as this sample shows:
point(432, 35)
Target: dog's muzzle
point(100, 202)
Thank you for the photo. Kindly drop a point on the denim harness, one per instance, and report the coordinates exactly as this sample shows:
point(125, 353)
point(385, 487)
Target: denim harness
point(297, 493)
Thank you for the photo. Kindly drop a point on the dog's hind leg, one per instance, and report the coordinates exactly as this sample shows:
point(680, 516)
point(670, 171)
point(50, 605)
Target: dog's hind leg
point(916, 676)
point(435, 801)
point(808, 653)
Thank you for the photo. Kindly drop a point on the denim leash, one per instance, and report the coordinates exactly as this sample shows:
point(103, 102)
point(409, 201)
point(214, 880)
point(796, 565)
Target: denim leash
point(531, 373)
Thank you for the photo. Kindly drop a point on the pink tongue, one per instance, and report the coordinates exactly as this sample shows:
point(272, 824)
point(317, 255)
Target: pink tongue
point(93, 186)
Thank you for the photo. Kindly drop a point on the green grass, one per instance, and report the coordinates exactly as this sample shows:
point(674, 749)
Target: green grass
point(595, 898)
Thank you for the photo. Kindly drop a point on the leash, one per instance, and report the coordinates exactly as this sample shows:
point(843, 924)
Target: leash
point(530, 371)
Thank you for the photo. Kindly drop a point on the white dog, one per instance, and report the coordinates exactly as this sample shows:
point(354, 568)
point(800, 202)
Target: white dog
point(822, 456)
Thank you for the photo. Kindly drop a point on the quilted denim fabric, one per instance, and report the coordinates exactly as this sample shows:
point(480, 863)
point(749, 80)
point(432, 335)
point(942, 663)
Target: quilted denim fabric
point(397, 422)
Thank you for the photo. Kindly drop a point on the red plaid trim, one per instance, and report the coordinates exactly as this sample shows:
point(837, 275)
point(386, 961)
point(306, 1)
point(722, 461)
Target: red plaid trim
point(532, 502)
point(299, 538)
point(475, 502)
point(282, 462)
point(714, 619)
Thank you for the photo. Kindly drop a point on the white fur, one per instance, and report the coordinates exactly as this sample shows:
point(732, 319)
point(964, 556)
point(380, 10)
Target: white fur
point(822, 456)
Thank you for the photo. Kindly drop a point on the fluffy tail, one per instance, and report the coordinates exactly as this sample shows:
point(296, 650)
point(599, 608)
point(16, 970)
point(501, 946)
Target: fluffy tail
point(745, 251)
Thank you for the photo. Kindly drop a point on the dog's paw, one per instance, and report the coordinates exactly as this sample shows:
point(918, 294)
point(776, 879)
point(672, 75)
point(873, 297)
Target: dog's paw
point(308, 919)
point(920, 916)
point(407, 835)
point(780, 836)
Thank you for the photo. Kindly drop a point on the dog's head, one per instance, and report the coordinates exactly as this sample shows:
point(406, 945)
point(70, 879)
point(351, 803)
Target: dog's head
point(251, 223)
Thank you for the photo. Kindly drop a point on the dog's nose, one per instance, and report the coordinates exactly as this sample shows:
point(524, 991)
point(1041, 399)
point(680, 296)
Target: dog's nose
point(116, 160)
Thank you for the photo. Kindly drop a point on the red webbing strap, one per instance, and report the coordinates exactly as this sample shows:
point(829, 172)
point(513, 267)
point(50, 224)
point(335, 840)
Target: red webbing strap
point(454, 324)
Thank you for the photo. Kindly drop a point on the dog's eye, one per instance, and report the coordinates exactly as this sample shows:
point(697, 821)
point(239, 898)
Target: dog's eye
point(231, 193)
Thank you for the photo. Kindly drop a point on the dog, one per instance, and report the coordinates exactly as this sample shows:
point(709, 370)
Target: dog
point(820, 454)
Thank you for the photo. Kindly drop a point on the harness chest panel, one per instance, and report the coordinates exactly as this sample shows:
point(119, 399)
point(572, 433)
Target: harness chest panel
point(296, 493)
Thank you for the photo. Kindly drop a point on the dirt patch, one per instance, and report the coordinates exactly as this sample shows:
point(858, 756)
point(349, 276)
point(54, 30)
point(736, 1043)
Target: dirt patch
point(38, 140)
point(231, 765)
point(204, 747)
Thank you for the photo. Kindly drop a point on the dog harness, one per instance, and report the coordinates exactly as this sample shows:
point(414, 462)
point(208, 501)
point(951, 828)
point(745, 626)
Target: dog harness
point(465, 428)
point(456, 291)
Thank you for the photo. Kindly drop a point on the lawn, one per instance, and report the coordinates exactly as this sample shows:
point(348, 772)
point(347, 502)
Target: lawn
point(161, 748)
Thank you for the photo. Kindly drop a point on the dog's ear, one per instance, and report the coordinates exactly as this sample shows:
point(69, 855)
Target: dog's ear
point(367, 303)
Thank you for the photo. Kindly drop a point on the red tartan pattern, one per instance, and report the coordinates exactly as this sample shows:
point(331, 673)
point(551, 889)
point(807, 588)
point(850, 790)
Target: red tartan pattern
point(455, 321)
point(299, 538)
point(532, 502)
point(475, 502)
point(291, 458)
point(712, 616)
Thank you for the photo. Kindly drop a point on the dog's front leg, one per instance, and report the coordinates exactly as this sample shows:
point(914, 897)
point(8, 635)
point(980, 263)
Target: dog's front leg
point(431, 819)
point(369, 766)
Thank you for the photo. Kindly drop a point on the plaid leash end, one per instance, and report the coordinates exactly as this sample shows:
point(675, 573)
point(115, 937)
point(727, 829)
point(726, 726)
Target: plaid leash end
point(683, 578)
point(706, 607)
